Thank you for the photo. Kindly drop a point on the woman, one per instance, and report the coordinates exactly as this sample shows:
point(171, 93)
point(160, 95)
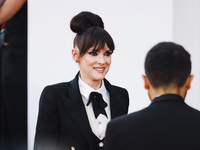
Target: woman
point(67, 119)
point(13, 75)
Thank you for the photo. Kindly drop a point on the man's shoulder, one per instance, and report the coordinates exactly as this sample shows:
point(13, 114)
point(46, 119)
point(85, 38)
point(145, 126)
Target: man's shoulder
point(134, 116)
point(193, 111)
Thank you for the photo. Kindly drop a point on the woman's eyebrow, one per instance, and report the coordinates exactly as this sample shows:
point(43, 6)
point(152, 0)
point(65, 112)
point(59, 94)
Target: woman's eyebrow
point(95, 50)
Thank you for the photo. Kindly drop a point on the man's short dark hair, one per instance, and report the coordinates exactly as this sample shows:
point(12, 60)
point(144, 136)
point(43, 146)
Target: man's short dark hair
point(167, 63)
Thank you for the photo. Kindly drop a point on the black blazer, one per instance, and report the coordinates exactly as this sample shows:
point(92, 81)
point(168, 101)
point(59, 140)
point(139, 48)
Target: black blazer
point(167, 124)
point(62, 119)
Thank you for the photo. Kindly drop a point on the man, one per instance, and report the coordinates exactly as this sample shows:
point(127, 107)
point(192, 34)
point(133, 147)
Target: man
point(168, 123)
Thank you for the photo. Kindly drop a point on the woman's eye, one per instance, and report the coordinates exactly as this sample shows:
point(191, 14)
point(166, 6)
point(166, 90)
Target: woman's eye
point(108, 53)
point(93, 53)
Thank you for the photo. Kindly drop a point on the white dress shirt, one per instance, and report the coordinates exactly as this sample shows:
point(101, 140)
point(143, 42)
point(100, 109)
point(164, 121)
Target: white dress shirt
point(98, 125)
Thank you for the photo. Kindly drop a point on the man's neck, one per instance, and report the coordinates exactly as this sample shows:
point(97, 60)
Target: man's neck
point(154, 92)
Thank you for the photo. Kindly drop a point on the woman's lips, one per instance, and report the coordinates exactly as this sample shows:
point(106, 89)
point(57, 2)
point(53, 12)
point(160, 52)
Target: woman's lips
point(99, 69)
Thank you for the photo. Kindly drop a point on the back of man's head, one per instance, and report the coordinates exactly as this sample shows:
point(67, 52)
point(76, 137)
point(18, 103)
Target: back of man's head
point(167, 63)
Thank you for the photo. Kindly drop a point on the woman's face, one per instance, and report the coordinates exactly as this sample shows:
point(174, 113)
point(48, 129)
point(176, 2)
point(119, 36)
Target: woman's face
point(94, 65)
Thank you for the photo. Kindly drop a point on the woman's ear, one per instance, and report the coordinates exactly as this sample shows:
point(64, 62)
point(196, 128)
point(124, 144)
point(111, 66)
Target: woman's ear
point(75, 55)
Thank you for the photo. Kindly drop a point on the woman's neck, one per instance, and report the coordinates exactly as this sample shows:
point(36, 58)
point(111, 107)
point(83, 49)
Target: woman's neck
point(93, 84)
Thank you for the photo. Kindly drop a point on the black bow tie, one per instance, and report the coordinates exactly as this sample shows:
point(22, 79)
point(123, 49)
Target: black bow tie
point(98, 104)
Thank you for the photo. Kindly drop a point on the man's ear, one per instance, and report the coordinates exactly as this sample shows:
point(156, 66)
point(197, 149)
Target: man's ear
point(188, 82)
point(75, 55)
point(146, 82)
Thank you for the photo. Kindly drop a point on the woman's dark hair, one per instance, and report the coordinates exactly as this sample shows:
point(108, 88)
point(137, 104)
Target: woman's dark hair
point(90, 32)
point(167, 63)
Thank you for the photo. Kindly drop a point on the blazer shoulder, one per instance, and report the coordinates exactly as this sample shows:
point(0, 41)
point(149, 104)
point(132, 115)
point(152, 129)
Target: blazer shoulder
point(57, 85)
point(118, 88)
point(120, 91)
point(55, 89)
point(114, 87)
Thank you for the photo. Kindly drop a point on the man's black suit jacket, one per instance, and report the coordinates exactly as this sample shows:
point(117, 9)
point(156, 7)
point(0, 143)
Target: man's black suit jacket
point(167, 124)
point(62, 119)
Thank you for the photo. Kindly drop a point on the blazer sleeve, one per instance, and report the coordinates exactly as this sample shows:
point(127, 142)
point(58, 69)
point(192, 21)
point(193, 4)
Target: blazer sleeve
point(126, 100)
point(48, 121)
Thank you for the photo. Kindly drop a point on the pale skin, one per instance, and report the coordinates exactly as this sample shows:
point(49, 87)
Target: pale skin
point(9, 9)
point(171, 89)
point(93, 65)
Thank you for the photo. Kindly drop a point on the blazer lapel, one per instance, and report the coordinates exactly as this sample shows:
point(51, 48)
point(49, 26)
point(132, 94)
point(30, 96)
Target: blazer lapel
point(75, 106)
point(116, 101)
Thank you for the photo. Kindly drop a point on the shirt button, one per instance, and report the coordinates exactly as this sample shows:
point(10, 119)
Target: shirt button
point(101, 144)
point(99, 122)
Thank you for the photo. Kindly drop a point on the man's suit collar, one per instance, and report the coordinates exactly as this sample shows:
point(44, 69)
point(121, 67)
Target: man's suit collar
point(167, 97)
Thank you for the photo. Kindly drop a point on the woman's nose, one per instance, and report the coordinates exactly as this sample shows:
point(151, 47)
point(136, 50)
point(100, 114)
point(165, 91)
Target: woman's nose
point(101, 59)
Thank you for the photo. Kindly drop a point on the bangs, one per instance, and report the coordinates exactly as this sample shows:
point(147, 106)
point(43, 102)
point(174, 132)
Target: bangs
point(94, 37)
point(99, 39)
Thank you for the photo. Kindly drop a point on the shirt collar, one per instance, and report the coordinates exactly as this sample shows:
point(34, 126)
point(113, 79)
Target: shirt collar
point(85, 89)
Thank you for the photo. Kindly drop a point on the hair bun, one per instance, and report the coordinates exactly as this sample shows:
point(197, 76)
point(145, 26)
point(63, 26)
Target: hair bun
point(84, 20)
